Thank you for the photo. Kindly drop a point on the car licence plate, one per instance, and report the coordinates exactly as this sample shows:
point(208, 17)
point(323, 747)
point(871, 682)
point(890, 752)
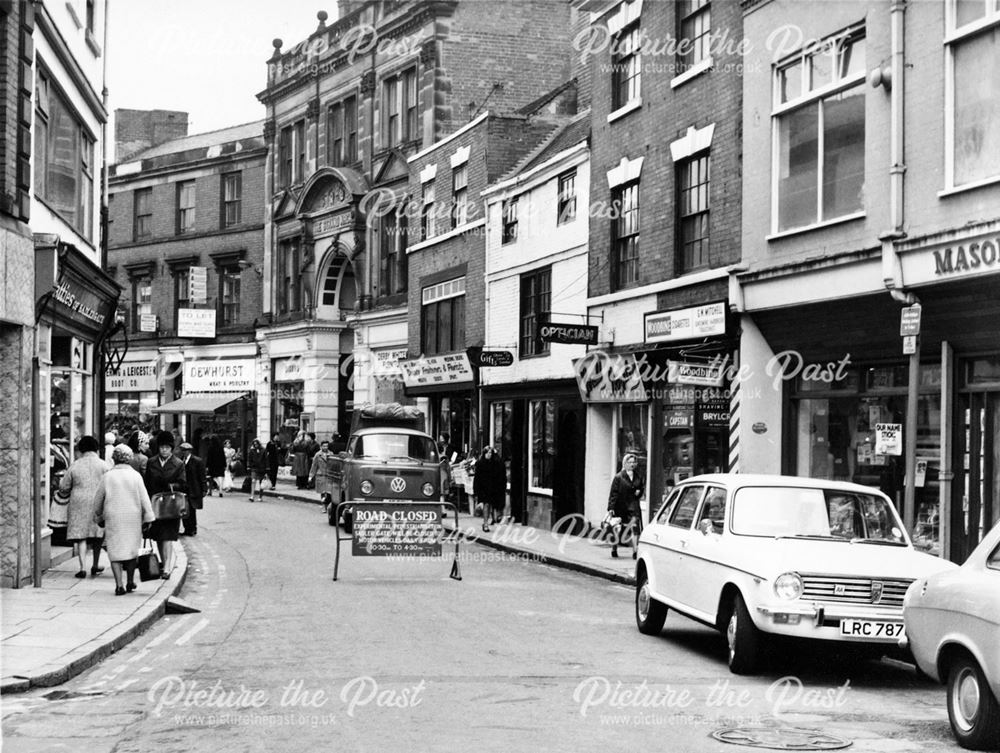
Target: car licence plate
point(871, 630)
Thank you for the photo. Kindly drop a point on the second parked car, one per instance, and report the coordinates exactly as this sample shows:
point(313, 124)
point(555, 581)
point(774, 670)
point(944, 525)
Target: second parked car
point(760, 557)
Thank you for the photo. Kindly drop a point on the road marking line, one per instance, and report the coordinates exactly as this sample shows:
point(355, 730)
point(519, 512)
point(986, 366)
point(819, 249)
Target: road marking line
point(140, 655)
point(127, 683)
point(164, 635)
point(202, 624)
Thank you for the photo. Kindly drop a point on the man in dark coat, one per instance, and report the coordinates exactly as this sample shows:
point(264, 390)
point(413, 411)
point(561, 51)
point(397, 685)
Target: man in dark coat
point(197, 486)
point(272, 456)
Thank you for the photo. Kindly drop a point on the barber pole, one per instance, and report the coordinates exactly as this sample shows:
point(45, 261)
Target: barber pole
point(734, 419)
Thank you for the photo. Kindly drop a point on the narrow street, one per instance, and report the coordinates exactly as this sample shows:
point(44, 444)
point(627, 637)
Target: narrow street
point(396, 656)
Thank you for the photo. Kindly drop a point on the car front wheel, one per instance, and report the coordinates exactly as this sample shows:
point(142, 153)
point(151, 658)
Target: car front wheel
point(650, 614)
point(743, 639)
point(972, 709)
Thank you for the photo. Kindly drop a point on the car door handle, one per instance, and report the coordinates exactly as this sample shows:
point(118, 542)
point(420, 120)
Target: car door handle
point(684, 544)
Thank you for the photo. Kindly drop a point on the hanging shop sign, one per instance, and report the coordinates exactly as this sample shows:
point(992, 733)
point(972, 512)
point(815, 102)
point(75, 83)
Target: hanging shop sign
point(492, 358)
point(223, 375)
point(83, 299)
point(568, 334)
point(134, 376)
point(609, 378)
point(678, 418)
point(712, 415)
point(198, 285)
point(702, 374)
point(436, 370)
point(196, 322)
point(382, 530)
point(686, 324)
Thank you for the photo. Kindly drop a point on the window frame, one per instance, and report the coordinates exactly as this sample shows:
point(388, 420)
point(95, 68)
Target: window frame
point(620, 239)
point(401, 105)
point(186, 213)
point(182, 292)
point(840, 83)
point(392, 234)
point(235, 204)
point(342, 132)
point(139, 217)
point(699, 491)
point(229, 300)
point(449, 295)
point(694, 48)
point(141, 302)
point(566, 197)
point(288, 290)
point(955, 37)
point(626, 67)
point(688, 215)
point(508, 224)
point(427, 219)
point(459, 195)
point(547, 437)
point(535, 300)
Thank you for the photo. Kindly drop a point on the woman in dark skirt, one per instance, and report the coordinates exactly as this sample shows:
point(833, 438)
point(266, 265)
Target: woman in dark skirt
point(165, 473)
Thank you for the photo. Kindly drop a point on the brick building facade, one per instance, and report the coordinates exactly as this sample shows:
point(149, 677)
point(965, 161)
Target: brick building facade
point(346, 109)
point(666, 92)
point(186, 225)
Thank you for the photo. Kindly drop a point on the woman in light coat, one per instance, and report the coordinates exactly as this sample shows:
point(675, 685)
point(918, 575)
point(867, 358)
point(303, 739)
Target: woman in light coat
point(321, 473)
point(81, 482)
point(122, 505)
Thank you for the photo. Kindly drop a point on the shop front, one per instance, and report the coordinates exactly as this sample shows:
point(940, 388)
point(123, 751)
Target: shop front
point(445, 387)
point(76, 304)
point(218, 398)
point(131, 394)
point(539, 430)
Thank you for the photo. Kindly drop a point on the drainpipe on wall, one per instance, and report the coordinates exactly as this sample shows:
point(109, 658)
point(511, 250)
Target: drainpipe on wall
point(893, 80)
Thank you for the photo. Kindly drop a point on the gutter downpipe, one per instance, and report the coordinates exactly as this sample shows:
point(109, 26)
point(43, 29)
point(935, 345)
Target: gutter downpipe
point(891, 266)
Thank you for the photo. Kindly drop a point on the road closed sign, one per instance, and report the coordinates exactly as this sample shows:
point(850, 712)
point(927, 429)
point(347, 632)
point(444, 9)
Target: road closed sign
point(402, 530)
point(888, 439)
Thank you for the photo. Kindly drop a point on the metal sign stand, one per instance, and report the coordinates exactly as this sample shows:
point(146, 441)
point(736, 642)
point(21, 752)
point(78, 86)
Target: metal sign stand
point(456, 573)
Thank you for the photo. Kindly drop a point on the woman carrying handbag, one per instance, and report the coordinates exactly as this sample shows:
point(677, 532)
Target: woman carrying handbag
point(627, 489)
point(165, 473)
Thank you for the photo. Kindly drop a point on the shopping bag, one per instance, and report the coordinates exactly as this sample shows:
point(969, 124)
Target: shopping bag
point(59, 509)
point(169, 505)
point(148, 564)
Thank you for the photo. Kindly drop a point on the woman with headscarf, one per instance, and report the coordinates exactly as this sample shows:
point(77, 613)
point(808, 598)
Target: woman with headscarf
point(489, 484)
point(122, 505)
point(164, 474)
point(300, 460)
point(627, 488)
point(81, 482)
point(138, 442)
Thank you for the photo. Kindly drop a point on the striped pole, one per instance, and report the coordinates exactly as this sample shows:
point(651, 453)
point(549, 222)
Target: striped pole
point(734, 416)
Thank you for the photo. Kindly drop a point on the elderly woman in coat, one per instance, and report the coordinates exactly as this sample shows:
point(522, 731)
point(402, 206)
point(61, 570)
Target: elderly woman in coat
point(321, 473)
point(81, 482)
point(122, 505)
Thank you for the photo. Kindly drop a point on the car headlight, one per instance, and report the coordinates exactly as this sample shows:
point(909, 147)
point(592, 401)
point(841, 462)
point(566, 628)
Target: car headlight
point(367, 487)
point(788, 586)
point(428, 489)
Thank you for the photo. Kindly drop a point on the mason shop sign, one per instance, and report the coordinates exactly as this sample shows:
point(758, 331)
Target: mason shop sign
point(967, 258)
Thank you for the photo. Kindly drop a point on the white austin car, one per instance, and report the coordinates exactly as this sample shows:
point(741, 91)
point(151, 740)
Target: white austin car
point(761, 556)
point(953, 629)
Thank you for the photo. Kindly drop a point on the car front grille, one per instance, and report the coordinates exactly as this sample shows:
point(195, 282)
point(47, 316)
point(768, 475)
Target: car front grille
point(836, 589)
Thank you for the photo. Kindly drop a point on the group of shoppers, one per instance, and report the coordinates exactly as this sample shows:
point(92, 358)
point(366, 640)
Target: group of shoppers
point(111, 506)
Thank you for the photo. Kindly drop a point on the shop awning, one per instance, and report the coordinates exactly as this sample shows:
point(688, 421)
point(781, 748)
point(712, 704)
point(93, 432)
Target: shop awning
point(200, 402)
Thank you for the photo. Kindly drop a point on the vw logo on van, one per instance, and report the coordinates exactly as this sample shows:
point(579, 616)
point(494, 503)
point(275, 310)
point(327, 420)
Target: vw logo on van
point(398, 484)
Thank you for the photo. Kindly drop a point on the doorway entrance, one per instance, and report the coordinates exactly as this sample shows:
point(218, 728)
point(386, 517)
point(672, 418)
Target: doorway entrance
point(975, 508)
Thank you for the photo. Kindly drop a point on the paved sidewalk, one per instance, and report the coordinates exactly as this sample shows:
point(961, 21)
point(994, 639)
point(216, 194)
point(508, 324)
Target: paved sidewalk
point(55, 632)
point(584, 554)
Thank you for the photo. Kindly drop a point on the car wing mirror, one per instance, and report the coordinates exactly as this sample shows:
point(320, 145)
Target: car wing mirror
point(705, 526)
point(342, 454)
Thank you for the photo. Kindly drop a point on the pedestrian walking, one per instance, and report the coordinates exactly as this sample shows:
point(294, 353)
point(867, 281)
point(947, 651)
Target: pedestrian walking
point(627, 488)
point(197, 486)
point(273, 452)
point(257, 468)
point(165, 473)
point(121, 505)
point(81, 482)
point(110, 440)
point(138, 442)
point(300, 460)
point(216, 462)
point(227, 477)
point(489, 484)
point(321, 474)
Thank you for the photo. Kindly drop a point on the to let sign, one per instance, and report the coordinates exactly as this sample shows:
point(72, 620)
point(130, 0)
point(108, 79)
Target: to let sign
point(568, 334)
point(909, 321)
point(383, 530)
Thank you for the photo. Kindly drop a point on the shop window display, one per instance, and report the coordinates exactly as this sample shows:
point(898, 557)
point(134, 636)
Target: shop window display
point(837, 433)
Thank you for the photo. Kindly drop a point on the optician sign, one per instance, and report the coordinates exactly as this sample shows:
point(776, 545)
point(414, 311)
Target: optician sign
point(686, 324)
point(232, 375)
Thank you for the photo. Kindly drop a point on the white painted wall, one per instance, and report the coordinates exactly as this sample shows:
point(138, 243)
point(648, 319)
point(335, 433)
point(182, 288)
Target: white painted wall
point(760, 400)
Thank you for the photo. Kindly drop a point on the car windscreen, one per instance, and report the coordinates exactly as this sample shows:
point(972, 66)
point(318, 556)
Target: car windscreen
point(814, 513)
point(395, 446)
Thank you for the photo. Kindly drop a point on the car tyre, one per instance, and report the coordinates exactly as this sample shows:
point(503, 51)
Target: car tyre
point(972, 709)
point(743, 639)
point(650, 614)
